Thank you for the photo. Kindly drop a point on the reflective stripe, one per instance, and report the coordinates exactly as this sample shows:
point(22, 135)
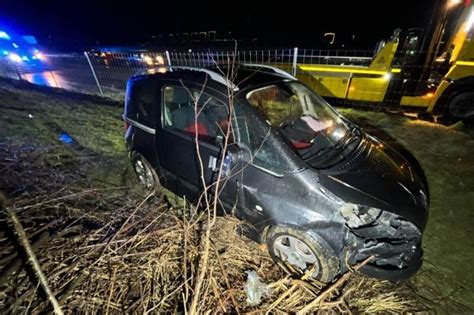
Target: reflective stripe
point(347, 70)
point(465, 63)
point(140, 126)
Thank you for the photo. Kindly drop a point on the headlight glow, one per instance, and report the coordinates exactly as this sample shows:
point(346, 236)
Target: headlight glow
point(14, 57)
point(39, 55)
point(387, 76)
point(160, 60)
point(148, 60)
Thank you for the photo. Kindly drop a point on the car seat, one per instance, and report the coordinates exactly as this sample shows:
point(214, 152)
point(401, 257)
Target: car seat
point(184, 119)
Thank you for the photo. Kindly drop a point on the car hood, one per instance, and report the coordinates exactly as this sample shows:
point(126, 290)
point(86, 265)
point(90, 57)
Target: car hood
point(377, 175)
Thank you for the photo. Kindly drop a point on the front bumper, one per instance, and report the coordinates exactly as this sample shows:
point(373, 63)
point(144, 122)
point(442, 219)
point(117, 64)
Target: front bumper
point(390, 262)
point(394, 243)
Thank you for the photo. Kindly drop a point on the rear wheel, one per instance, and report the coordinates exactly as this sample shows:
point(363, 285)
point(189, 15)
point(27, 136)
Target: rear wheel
point(145, 172)
point(462, 106)
point(297, 252)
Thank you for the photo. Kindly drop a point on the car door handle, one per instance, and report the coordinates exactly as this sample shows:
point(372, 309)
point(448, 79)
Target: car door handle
point(212, 163)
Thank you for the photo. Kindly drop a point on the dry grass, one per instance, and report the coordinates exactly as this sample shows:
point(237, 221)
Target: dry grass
point(145, 260)
point(110, 250)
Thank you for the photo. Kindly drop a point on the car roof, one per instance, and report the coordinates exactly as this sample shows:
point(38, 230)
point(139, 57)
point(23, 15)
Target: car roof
point(245, 75)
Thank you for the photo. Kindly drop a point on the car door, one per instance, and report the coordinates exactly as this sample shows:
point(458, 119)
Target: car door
point(140, 107)
point(188, 142)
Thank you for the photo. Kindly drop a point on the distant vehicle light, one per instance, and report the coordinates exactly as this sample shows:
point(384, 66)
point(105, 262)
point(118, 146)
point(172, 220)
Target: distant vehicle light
point(5, 52)
point(148, 60)
point(160, 60)
point(14, 45)
point(38, 55)
point(4, 35)
point(14, 57)
point(25, 58)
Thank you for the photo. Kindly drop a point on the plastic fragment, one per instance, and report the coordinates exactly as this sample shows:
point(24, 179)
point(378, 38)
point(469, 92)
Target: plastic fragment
point(66, 138)
point(255, 288)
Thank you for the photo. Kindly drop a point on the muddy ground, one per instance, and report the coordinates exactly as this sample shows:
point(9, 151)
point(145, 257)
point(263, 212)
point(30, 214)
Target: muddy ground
point(33, 149)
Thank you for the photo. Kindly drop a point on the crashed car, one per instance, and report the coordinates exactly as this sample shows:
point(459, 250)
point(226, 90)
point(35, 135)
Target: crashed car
point(318, 190)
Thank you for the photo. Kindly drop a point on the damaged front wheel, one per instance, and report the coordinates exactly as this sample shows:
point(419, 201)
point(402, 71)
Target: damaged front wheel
point(298, 252)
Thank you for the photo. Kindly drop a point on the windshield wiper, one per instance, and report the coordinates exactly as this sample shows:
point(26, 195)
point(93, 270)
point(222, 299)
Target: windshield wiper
point(349, 137)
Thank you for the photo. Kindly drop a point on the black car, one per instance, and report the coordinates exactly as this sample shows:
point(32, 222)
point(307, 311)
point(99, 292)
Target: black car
point(314, 186)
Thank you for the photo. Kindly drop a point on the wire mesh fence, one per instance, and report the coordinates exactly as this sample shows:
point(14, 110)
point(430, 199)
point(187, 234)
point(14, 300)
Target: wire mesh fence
point(346, 77)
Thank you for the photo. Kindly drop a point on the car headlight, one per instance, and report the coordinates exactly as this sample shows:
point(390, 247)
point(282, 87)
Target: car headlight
point(358, 216)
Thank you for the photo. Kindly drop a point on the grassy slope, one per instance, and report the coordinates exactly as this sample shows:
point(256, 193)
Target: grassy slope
point(447, 157)
point(445, 154)
point(37, 119)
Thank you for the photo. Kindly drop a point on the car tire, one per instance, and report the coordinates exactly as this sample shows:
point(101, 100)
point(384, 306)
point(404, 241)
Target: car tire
point(305, 247)
point(461, 106)
point(145, 172)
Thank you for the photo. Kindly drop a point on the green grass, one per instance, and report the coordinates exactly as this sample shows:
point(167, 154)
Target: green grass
point(36, 118)
point(446, 154)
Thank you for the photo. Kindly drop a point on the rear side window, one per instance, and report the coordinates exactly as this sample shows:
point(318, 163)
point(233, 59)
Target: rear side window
point(140, 102)
point(209, 119)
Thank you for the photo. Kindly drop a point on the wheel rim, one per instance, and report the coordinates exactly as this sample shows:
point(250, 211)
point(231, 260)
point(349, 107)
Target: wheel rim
point(294, 252)
point(144, 173)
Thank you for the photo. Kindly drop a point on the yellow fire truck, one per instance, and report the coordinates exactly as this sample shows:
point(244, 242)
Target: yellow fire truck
point(431, 72)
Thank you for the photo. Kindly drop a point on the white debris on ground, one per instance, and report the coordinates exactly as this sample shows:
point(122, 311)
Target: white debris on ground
point(255, 289)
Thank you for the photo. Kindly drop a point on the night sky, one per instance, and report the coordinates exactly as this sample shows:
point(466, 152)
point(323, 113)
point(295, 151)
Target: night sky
point(287, 23)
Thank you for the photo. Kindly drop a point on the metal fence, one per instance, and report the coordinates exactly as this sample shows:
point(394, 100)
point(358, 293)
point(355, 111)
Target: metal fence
point(106, 73)
point(94, 73)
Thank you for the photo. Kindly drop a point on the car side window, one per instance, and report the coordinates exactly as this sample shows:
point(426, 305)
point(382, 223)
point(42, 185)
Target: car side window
point(208, 119)
point(256, 135)
point(140, 102)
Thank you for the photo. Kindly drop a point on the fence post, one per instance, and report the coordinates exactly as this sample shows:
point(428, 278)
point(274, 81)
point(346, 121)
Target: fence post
point(168, 58)
point(93, 73)
point(295, 60)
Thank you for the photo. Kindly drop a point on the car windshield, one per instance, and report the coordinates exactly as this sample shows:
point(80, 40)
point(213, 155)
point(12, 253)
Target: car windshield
point(312, 127)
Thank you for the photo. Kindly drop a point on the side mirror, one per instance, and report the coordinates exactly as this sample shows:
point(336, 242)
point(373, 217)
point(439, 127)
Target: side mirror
point(235, 155)
point(219, 140)
point(239, 153)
